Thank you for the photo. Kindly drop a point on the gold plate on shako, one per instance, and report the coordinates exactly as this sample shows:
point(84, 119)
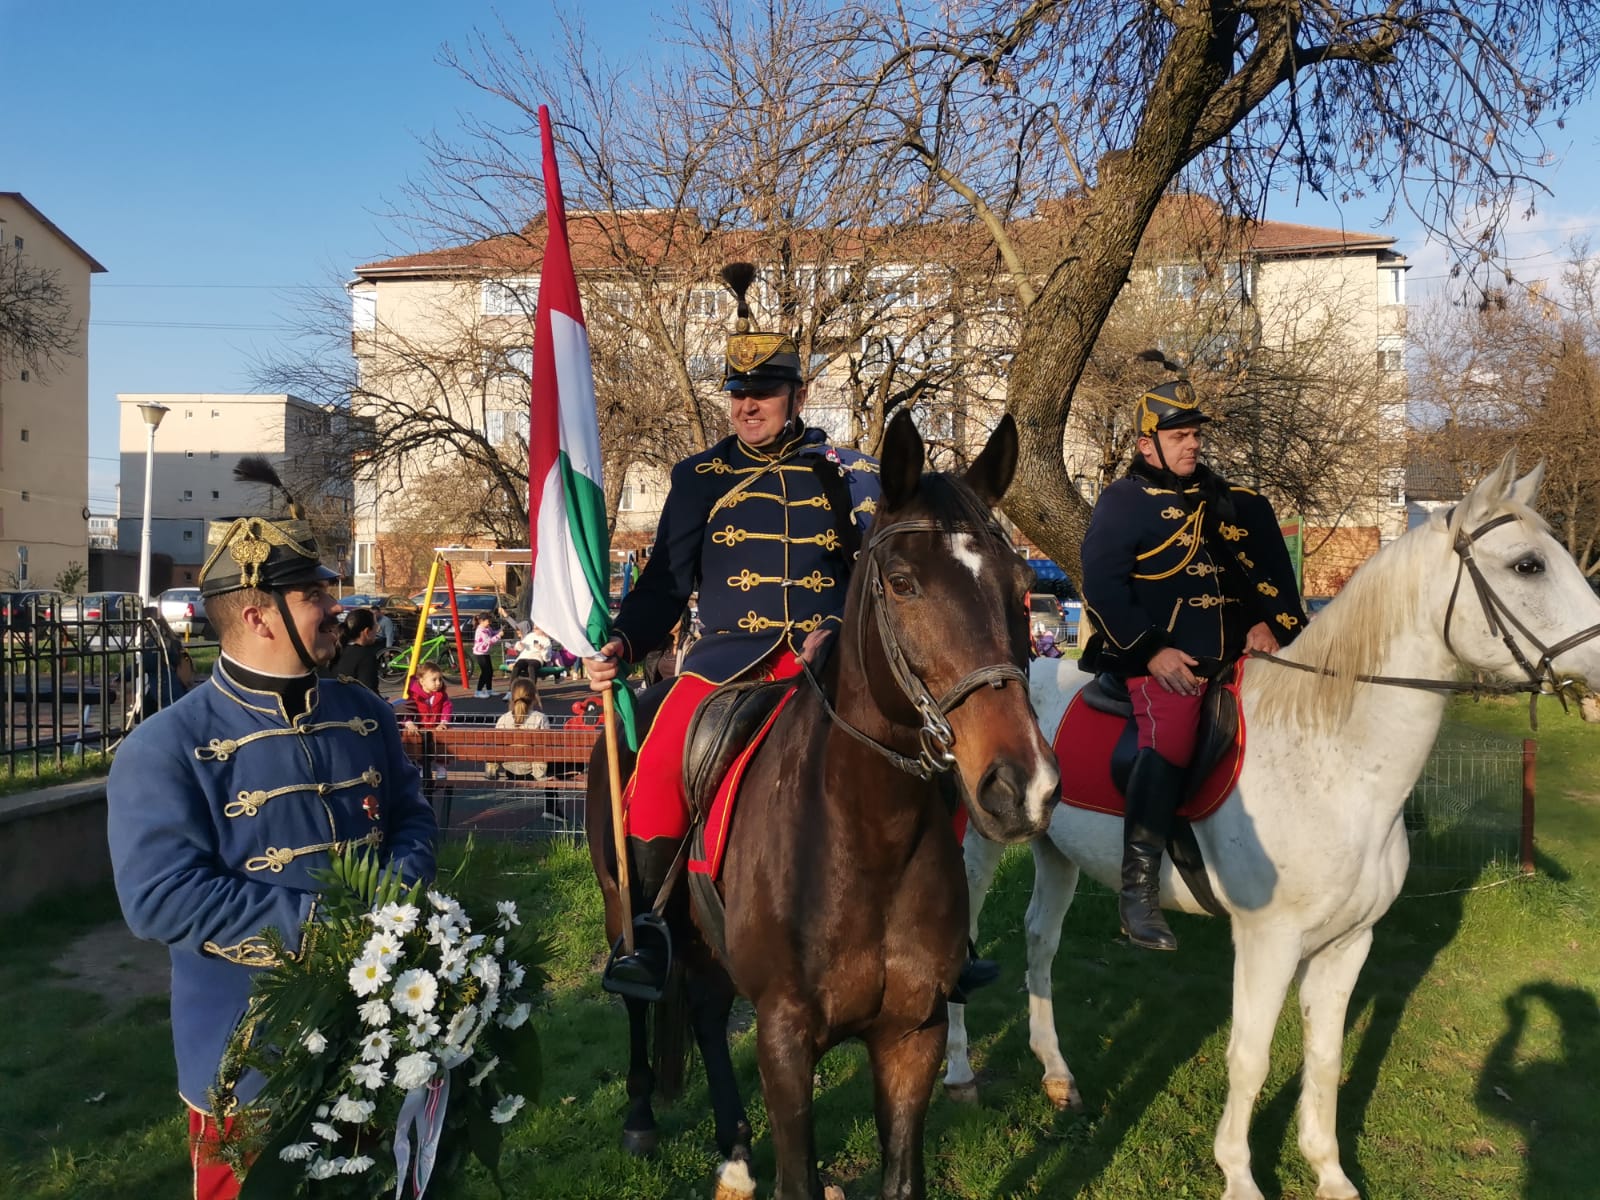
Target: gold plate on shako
point(746, 351)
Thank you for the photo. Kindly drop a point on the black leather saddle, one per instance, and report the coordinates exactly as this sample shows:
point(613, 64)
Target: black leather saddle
point(1219, 728)
point(722, 726)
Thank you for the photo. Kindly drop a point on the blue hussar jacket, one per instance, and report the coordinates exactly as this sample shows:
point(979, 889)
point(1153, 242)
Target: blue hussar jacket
point(755, 534)
point(1192, 563)
point(218, 807)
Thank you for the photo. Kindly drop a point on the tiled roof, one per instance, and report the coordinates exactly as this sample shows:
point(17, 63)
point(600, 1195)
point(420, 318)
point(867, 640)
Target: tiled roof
point(658, 236)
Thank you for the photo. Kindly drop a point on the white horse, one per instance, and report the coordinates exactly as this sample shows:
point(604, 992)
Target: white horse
point(1310, 848)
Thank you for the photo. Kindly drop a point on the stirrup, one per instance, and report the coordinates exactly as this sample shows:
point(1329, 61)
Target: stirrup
point(654, 926)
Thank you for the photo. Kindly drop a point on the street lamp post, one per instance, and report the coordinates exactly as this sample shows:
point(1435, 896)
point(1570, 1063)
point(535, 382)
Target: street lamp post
point(152, 414)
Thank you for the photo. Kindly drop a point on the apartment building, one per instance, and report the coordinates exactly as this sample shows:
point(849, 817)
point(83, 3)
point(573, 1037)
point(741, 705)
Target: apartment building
point(44, 408)
point(200, 438)
point(937, 318)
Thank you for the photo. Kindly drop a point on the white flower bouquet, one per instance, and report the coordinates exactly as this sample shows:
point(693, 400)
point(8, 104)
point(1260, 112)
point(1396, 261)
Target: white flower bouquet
point(397, 1043)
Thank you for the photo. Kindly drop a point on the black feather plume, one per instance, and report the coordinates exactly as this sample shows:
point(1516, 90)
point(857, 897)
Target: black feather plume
point(739, 276)
point(254, 468)
point(1158, 356)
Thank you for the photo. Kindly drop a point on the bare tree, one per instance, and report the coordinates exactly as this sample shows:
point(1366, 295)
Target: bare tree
point(1522, 371)
point(1007, 103)
point(36, 325)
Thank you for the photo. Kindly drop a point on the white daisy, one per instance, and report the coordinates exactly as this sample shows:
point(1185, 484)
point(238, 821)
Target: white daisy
point(356, 1165)
point(506, 1109)
point(461, 1026)
point(413, 1071)
point(508, 914)
point(367, 976)
point(325, 1131)
point(515, 973)
point(488, 970)
point(415, 992)
point(375, 1046)
point(353, 1112)
point(422, 1030)
point(368, 1075)
point(374, 1012)
point(384, 947)
point(315, 1042)
point(321, 1168)
point(398, 919)
point(297, 1151)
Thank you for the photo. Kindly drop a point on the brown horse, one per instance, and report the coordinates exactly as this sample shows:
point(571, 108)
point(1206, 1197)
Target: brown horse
point(846, 909)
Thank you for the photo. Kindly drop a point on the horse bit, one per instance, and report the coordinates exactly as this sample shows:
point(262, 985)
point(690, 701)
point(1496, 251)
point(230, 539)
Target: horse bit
point(1541, 680)
point(936, 737)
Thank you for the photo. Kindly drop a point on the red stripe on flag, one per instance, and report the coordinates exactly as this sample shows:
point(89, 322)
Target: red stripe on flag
point(558, 292)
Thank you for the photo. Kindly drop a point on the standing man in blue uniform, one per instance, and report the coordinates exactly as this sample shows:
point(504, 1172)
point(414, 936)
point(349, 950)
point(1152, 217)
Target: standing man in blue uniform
point(764, 526)
point(220, 805)
point(1182, 573)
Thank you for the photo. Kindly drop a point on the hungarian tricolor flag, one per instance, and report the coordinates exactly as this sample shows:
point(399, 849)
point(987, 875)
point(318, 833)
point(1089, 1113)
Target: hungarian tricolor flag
point(566, 497)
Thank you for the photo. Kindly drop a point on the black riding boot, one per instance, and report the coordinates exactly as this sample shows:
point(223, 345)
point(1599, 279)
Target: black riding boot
point(1154, 789)
point(645, 970)
point(975, 973)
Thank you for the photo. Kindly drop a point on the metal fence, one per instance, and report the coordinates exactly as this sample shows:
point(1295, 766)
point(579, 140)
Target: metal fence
point(1472, 808)
point(510, 801)
point(75, 677)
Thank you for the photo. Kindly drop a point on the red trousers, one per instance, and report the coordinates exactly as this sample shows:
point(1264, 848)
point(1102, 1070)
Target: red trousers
point(653, 804)
point(1168, 721)
point(213, 1178)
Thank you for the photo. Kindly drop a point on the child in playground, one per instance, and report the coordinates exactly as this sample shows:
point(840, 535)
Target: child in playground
point(484, 640)
point(523, 712)
point(427, 700)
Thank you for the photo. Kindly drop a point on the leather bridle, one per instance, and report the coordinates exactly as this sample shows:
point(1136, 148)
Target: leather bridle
point(1541, 678)
point(936, 737)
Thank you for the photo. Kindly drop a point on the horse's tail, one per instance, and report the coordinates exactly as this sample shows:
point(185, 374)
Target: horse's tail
point(672, 1043)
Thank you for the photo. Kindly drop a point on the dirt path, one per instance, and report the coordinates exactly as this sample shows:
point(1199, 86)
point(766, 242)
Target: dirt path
point(113, 964)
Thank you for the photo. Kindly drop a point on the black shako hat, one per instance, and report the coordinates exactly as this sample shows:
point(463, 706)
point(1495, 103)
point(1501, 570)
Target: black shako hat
point(754, 359)
point(268, 553)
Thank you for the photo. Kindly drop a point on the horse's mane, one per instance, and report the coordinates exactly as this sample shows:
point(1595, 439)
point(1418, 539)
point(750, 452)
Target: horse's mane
point(1350, 636)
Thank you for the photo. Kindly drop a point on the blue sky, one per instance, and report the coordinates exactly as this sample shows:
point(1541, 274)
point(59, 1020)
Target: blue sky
point(216, 156)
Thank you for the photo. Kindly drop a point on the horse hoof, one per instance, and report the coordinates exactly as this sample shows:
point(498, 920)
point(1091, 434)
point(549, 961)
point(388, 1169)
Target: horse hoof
point(640, 1142)
point(734, 1181)
point(962, 1093)
point(1064, 1095)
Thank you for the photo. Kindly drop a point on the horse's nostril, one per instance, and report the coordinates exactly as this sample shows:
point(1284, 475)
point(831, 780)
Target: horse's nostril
point(1001, 790)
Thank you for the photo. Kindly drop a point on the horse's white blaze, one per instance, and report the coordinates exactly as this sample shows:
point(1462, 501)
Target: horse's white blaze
point(1043, 780)
point(965, 551)
point(1310, 849)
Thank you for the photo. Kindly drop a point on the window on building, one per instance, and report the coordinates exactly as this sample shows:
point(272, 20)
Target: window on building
point(188, 453)
point(497, 426)
point(216, 495)
point(188, 535)
point(625, 502)
point(188, 414)
point(1179, 281)
point(216, 454)
point(706, 302)
point(510, 298)
point(1391, 285)
point(705, 366)
point(1391, 353)
point(16, 243)
point(363, 558)
point(520, 360)
point(364, 310)
point(26, 497)
point(24, 435)
point(215, 413)
point(24, 376)
point(1394, 486)
point(187, 495)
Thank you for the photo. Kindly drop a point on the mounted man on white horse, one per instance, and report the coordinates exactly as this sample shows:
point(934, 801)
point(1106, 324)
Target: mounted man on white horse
point(1182, 572)
point(1308, 848)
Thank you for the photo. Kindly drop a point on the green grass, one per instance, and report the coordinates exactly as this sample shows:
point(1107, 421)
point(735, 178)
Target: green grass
point(24, 777)
point(1470, 1064)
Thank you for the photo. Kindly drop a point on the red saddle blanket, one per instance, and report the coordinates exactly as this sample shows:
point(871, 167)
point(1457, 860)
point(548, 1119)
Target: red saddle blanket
point(719, 817)
point(1086, 737)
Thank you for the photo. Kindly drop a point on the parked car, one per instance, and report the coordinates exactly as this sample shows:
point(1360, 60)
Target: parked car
point(398, 608)
point(184, 609)
point(468, 606)
point(1044, 612)
point(26, 610)
point(102, 618)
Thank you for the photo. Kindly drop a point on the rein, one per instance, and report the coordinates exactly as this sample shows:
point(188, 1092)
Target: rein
point(1541, 680)
point(936, 736)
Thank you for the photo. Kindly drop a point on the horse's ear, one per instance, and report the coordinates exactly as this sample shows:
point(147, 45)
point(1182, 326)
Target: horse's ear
point(991, 473)
point(1526, 490)
point(900, 469)
point(1487, 495)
